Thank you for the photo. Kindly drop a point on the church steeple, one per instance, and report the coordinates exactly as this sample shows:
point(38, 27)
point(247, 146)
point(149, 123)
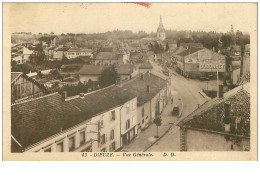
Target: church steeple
point(161, 30)
point(161, 20)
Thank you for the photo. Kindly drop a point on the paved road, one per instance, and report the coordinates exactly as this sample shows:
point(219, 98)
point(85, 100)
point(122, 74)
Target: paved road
point(191, 97)
point(183, 91)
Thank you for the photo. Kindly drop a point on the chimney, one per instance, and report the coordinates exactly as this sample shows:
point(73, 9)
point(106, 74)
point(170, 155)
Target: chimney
point(61, 129)
point(227, 107)
point(81, 95)
point(220, 90)
point(64, 95)
point(148, 88)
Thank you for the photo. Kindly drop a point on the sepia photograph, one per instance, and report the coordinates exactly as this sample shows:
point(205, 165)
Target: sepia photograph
point(130, 81)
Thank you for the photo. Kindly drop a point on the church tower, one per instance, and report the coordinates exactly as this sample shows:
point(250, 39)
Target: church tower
point(161, 31)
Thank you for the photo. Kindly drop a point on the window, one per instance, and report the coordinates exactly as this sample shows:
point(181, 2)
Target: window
point(47, 150)
point(112, 134)
point(82, 137)
point(143, 112)
point(231, 147)
point(71, 143)
point(127, 109)
point(101, 124)
point(142, 121)
point(104, 150)
point(128, 124)
point(103, 139)
point(113, 115)
point(112, 147)
point(59, 147)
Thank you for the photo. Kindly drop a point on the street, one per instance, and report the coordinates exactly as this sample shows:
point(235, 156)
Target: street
point(187, 96)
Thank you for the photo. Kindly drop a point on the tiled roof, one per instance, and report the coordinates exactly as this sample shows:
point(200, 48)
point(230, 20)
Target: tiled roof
point(138, 87)
point(15, 75)
point(91, 70)
point(189, 51)
point(80, 50)
point(125, 69)
point(38, 119)
point(101, 101)
point(210, 116)
point(105, 56)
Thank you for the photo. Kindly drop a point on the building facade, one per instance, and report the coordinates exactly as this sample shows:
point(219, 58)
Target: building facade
point(97, 121)
point(77, 52)
point(152, 96)
point(197, 62)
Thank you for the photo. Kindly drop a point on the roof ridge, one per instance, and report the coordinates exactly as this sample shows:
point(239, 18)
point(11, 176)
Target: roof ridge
point(33, 99)
point(85, 94)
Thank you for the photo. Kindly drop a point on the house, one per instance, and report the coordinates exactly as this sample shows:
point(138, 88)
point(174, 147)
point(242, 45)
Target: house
point(221, 124)
point(126, 71)
point(24, 56)
point(235, 69)
point(77, 52)
point(59, 52)
point(106, 58)
point(196, 62)
point(101, 121)
point(93, 72)
point(145, 67)
point(24, 87)
point(240, 70)
point(90, 73)
point(152, 95)
point(48, 52)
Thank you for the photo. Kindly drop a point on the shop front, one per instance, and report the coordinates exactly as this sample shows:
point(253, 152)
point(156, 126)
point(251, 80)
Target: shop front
point(128, 136)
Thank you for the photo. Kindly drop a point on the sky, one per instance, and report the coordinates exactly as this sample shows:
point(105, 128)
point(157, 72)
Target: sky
point(102, 17)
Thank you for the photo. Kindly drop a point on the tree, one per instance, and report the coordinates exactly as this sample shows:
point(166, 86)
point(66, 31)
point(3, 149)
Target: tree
point(108, 76)
point(156, 47)
point(226, 40)
point(158, 123)
point(25, 68)
point(39, 74)
point(13, 64)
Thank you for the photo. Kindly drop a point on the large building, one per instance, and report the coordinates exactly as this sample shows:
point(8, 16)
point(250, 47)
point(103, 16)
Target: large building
point(161, 31)
point(77, 52)
point(221, 124)
point(152, 96)
point(196, 62)
point(104, 120)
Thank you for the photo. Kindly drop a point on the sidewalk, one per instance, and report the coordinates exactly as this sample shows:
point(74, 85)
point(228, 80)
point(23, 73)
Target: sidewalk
point(146, 138)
